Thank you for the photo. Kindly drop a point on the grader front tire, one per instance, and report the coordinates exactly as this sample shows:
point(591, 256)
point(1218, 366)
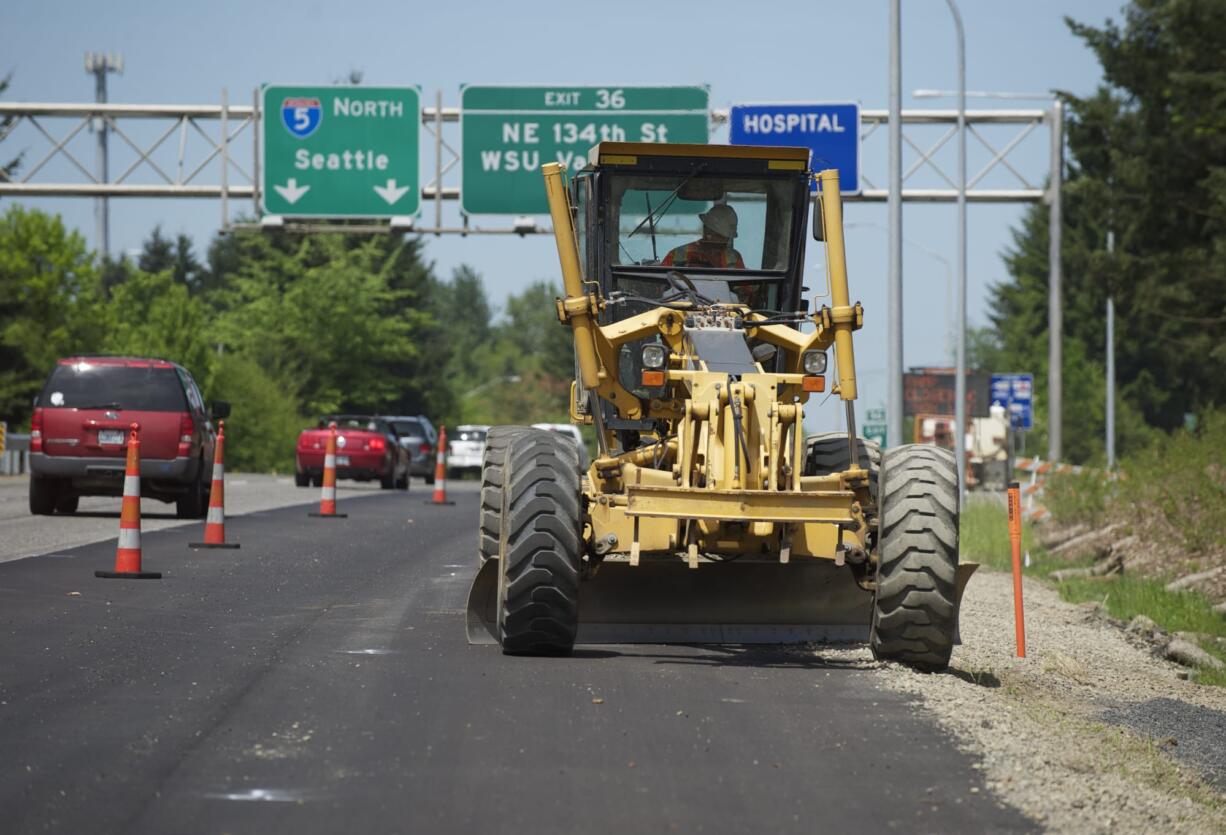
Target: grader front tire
point(915, 613)
point(538, 583)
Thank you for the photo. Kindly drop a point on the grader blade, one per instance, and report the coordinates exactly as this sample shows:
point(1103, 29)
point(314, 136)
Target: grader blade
point(732, 603)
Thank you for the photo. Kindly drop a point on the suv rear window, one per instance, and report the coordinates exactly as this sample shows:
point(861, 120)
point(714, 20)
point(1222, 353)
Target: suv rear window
point(85, 385)
point(409, 427)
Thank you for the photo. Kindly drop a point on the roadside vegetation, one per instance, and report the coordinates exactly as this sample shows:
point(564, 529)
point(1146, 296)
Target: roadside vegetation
point(286, 327)
point(1150, 236)
point(1146, 165)
point(985, 539)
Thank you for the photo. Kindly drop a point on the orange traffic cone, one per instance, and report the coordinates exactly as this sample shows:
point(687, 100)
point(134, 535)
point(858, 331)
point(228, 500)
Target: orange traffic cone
point(127, 555)
point(215, 522)
point(327, 499)
point(440, 470)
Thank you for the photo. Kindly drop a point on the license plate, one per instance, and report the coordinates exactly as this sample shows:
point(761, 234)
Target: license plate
point(342, 460)
point(111, 437)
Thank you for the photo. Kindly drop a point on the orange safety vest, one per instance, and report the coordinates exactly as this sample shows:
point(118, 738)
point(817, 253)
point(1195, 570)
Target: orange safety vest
point(699, 254)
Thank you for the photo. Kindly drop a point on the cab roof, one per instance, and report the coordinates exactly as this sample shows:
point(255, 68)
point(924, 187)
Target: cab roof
point(627, 153)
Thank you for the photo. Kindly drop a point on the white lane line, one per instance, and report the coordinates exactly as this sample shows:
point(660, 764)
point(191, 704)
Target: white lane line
point(268, 795)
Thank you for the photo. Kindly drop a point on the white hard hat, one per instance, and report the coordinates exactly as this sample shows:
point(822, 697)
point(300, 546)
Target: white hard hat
point(721, 219)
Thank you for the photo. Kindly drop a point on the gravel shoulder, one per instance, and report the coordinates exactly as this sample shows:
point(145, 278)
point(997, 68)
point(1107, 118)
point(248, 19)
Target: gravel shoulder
point(1090, 732)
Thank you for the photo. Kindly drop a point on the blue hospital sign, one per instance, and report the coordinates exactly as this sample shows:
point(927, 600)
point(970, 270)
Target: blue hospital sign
point(301, 116)
point(1015, 392)
point(831, 132)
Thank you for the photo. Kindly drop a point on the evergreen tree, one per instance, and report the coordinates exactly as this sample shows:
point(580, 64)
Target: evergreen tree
point(1147, 164)
point(8, 169)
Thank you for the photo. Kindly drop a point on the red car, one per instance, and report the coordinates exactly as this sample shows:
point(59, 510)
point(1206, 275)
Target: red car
point(367, 449)
point(79, 434)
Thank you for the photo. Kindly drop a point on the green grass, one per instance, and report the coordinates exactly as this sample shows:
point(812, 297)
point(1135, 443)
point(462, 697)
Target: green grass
point(985, 538)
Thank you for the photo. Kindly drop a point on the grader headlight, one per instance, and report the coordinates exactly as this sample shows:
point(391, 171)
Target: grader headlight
point(654, 356)
point(814, 362)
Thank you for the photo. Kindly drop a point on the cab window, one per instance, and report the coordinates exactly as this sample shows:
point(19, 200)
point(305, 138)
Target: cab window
point(727, 223)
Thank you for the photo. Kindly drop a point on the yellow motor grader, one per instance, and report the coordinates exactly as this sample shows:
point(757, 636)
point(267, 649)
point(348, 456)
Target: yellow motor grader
point(707, 516)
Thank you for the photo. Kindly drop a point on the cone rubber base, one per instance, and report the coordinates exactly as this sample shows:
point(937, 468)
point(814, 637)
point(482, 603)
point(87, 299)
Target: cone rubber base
point(318, 515)
point(129, 575)
point(213, 545)
point(432, 501)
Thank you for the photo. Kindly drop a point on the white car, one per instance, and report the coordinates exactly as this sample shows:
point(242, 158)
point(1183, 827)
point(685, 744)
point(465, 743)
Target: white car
point(465, 449)
point(571, 431)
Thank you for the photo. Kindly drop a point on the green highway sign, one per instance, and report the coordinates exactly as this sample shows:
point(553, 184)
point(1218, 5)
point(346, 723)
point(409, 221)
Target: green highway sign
point(875, 432)
point(340, 151)
point(508, 132)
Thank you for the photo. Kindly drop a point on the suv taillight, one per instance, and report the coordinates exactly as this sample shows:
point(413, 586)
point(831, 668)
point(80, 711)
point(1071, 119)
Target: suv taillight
point(424, 449)
point(376, 445)
point(187, 428)
point(36, 430)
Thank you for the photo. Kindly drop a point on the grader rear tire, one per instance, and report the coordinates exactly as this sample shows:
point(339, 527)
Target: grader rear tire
point(538, 582)
point(915, 613)
point(492, 461)
point(829, 452)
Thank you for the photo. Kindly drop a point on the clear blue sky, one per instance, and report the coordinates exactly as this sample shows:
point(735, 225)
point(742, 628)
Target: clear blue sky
point(185, 53)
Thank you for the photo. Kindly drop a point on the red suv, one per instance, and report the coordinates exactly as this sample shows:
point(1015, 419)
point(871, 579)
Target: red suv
point(79, 434)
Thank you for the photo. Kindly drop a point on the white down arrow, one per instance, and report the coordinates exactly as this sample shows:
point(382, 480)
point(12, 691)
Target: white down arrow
point(391, 193)
point(291, 191)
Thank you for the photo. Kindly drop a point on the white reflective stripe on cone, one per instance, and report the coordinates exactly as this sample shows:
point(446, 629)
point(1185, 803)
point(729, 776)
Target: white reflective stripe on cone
point(216, 516)
point(131, 485)
point(219, 472)
point(330, 461)
point(129, 537)
point(329, 493)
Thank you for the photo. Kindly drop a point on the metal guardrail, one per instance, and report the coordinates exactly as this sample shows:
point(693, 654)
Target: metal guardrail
point(16, 457)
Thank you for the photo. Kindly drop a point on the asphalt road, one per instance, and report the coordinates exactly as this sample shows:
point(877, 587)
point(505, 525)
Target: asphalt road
point(318, 680)
point(23, 535)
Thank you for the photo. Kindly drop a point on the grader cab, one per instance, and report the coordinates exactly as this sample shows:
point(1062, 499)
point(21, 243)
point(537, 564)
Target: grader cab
point(707, 515)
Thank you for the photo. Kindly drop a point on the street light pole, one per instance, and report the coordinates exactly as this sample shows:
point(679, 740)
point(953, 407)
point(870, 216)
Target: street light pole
point(894, 401)
point(1055, 301)
point(1110, 363)
point(960, 360)
point(99, 64)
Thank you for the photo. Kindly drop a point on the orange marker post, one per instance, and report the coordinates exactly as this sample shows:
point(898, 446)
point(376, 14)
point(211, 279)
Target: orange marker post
point(1015, 542)
point(128, 553)
point(327, 499)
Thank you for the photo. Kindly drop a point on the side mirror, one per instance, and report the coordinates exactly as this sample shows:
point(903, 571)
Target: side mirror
point(819, 231)
point(220, 410)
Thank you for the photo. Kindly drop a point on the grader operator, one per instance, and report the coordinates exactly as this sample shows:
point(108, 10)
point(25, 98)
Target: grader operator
point(707, 516)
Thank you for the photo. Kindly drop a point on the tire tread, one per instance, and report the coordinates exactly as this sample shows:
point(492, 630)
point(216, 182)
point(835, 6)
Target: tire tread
point(540, 545)
point(915, 612)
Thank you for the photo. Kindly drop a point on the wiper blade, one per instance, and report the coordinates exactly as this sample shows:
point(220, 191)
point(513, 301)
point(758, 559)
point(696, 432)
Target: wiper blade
point(100, 406)
point(665, 205)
